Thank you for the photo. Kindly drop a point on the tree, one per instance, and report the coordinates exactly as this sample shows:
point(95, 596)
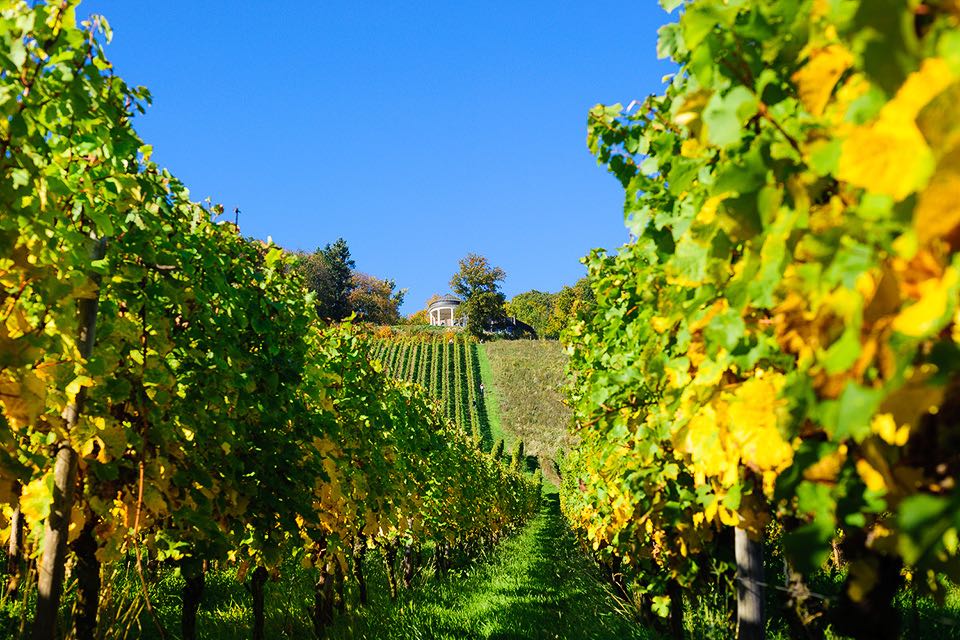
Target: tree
point(329, 274)
point(533, 307)
point(316, 273)
point(374, 299)
point(567, 304)
point(340, 264)
point(551, 313)
point(418, 317)
point(478, 284)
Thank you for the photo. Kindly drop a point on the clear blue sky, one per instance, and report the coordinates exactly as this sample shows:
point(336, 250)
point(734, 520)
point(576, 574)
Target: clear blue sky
point(417, 131)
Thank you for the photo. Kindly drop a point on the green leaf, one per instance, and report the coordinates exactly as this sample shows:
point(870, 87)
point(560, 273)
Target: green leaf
point(924, 519)
point(670, 42)
point(726, 329)
point(725, 115)
point(843, 353)
point(851, 414)
point(808, 547)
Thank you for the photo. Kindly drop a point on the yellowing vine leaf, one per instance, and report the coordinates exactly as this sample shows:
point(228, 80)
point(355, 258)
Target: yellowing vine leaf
point(754, 414)
point(35, 499)
point(925, 315)
point(870, 476)
point(873, 155)
point(886, 427)
point(817, 78)
point(872, 158)
point(938, 212)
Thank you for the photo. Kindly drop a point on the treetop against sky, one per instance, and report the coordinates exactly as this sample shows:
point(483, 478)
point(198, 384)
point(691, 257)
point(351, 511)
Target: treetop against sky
point(418, 133)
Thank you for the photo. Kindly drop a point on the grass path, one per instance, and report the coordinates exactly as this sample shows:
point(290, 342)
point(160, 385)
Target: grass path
point(491, 400)
point(536, 586)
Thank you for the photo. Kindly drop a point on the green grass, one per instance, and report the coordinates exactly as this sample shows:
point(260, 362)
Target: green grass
point(491, 399)
point(534, 585)
point(537, 586)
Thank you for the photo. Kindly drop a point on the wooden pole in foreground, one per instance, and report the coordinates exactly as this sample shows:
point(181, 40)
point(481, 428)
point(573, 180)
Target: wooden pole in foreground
point(53, 561)
point(750, 617)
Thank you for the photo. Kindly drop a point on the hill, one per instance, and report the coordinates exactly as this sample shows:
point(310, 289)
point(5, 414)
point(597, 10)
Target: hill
point(522, 378)
point(525, 380)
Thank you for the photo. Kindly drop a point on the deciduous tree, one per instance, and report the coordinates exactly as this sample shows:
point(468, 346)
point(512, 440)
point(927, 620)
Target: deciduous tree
point(376, 300)
point(478, 284)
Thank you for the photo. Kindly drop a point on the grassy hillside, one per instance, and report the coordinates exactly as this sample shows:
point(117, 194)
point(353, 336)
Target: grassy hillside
point(525, 378)
point(522, 380)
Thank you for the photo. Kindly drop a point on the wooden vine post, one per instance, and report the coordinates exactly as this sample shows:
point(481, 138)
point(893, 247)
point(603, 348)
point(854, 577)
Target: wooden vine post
point(53, 560)
point(15, 543)
point(257, 582)
point(750, 616)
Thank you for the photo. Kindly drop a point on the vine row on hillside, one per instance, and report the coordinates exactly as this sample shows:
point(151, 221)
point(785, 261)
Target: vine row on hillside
point(166, 389)
point(446, 366)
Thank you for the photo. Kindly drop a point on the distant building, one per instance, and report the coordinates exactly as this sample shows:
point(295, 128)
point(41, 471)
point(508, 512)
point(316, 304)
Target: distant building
point(443, 311)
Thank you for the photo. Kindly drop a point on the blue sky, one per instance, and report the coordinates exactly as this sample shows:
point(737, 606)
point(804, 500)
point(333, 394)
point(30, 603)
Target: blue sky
point(419, 132)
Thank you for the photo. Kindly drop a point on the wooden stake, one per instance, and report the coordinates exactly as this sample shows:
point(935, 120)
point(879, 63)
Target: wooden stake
point(53, 561)
point(750, 617)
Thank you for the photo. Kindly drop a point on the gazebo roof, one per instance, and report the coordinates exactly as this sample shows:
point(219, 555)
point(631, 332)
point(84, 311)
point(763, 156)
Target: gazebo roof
point(446, 301)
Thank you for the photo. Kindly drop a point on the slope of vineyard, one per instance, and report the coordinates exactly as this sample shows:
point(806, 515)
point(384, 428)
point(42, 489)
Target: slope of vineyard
point(523, 387)
point(447, 366)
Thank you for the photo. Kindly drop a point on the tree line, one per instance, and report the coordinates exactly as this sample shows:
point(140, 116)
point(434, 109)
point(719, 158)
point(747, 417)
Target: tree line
point(340, 290)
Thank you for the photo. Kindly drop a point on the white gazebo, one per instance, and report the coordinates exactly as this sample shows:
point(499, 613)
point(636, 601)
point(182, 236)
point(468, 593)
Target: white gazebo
point(443, 311)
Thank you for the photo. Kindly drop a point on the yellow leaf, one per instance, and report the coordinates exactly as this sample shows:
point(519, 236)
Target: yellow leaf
point(711, 511)
point(938, 211)
point(660, 324)
point(80, 381)
point(870, 476)
point(708, 213)
point(926, 314)
point(828, 467)
point(36, 498)
point(690, 148)
point(727, 517)
point(885, 426)
point(920, 87)
point(873, 155)
point(817, 78)
point(77, 521)
point(754, 416)
point(701, 440)
point(24, 400)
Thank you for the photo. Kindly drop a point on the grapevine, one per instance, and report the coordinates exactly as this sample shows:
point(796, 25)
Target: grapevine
point(775, 351)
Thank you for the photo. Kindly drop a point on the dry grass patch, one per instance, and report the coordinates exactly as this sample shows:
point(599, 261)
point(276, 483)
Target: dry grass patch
point(527, 376)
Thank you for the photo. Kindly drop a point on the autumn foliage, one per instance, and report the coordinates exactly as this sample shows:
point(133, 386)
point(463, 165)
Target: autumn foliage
point(777, 350)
